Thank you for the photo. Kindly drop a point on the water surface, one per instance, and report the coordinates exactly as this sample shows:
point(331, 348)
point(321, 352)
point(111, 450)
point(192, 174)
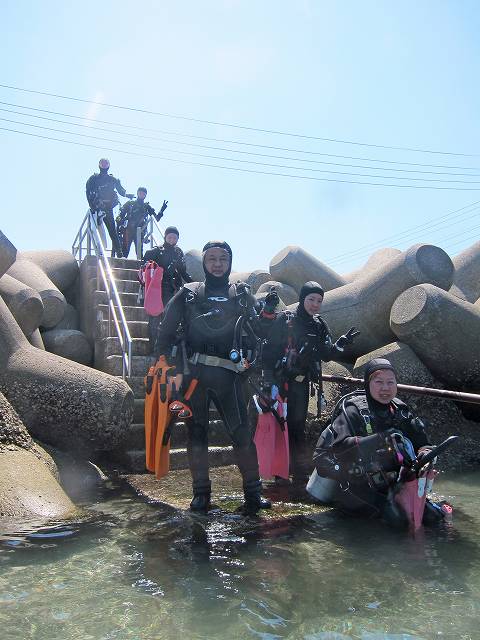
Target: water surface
point(142, 571)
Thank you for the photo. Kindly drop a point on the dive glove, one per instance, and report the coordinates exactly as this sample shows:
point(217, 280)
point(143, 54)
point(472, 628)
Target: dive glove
point(347, 338)
point(271, 301)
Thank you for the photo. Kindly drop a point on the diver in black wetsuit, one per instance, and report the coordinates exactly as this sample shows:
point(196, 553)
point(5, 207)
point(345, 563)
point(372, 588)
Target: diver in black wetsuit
point(292, 359)
point(212, 314)
point(133, 215)
point(356, 451)
point(170, 257)
point(102, 189)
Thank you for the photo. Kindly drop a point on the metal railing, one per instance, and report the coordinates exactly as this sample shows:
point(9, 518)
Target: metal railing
point(91, 234)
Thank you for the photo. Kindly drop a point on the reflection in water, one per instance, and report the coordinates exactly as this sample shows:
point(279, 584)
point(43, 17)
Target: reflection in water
point(136, 570)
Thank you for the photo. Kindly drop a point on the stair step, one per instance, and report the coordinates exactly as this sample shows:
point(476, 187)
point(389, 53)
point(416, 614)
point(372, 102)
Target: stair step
point(138, 412)
point(122, 263)
point(133, 314)
point(137, 385)
point(111, 347)
point(217, 435)
point(134, 459)
point(113, 365)
point(128, 299)
point(137, 328)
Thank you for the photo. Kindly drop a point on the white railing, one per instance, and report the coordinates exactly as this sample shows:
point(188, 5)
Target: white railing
point(94, 239)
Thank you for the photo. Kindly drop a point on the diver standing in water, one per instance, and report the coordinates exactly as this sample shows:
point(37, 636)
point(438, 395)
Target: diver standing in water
point(357, 449)
point(214, 317)
point(292, 359)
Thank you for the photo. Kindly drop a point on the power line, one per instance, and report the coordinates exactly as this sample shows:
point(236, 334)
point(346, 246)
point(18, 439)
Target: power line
point(241, 169)
point(237, 160)
point(240, 143)
point(250, 153)
point(235, 126)
point(396, 238)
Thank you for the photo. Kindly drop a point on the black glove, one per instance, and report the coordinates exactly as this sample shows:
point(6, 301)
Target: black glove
point(163, 207)
point(271, 301)
point(348, 338)
point(130, 196)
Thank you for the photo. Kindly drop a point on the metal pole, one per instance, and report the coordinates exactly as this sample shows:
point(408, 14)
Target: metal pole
point(461, 396)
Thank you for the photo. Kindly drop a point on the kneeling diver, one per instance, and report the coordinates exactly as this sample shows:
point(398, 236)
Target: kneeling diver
point(359, 451)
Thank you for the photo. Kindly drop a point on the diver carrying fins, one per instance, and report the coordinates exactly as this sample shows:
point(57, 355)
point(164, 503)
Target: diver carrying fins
point(163, 406)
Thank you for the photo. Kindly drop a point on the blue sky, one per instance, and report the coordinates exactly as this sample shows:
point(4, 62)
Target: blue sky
point(381, 73)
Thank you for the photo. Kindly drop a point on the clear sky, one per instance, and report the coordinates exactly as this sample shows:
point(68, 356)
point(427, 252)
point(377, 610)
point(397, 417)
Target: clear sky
point(393, 74)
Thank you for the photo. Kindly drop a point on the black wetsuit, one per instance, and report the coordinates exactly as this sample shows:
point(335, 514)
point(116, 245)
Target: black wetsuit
point(172, 261)
point(208, 314)
point(135, 214)
point(101, 190)
point(292, 357)
point(352, 436)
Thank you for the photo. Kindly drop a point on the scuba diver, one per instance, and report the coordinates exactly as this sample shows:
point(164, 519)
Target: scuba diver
point(133, 215)
point(362, 447)
point(297, 343)
point(102, 191)
point(217, 322)
point(170, 257)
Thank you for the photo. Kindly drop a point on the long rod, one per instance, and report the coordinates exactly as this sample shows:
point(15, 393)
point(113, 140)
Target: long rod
point(461, 396)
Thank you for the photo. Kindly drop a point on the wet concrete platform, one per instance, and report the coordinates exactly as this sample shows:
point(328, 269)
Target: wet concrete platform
point(175, 490)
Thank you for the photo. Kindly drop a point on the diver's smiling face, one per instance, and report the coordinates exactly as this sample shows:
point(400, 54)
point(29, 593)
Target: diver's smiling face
point(313, 303)
point(383, 386)
point(217, 261)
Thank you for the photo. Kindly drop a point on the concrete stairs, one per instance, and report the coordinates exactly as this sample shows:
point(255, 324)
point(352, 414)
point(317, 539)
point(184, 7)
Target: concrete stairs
point(97, 324)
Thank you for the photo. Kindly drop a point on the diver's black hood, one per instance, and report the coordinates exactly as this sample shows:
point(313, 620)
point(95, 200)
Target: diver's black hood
point(308, 288)
point(377, 364)
point(211, 281)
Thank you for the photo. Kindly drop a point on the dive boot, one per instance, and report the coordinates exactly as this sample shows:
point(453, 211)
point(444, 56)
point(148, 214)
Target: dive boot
point(200, 502)
point(253, 499)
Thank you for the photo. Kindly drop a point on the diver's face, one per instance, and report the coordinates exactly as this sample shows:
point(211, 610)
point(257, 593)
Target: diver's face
point(141, 195)
point(171, 238)
point(313, 303)
point(217, 261)
point(383, 386)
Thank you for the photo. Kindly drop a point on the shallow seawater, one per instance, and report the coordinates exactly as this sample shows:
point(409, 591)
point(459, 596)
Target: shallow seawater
point(143, 571)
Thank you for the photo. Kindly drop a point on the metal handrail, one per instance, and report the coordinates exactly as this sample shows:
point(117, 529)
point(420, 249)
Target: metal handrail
point(89, 231)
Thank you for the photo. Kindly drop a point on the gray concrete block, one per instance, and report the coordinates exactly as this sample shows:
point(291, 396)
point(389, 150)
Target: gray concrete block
point(377, 260)
point(287, 294)
point(295, 266)
point(8, 254)
point(193, 261)
point(61, 402)
point(466, 279)
point(366, 303)
point(444, 332)
point(53, 299)
point(35, 339)
point(24, 302)
point(253, 278)
point(70, 319)
point(57, 264)
point(68, 343)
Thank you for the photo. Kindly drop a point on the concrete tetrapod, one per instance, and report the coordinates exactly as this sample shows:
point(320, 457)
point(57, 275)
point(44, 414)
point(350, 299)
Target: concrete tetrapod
point(29, 485)
point(287, 294)
point(295, 266)
point(68, 343)
point(193, 262)
point(444, 332)
point(36, 340)
point(62, 403)
point(378, 259)
point(8, 254)
point(24, 302)
point(53, 299)
point(57, 264)
point(366, 303)
point(253, 278)
point(466, 279)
